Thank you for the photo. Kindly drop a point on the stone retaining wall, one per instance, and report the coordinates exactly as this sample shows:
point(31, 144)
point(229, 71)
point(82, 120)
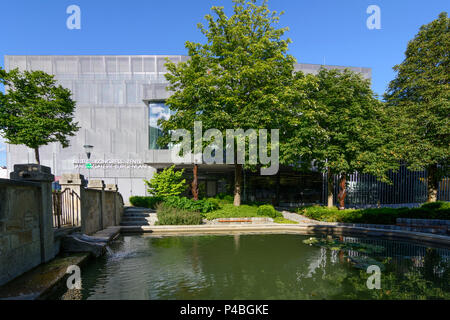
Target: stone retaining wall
point(26, 233)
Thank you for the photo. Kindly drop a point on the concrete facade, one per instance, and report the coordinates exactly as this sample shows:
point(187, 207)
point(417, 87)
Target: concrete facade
point(112, 95)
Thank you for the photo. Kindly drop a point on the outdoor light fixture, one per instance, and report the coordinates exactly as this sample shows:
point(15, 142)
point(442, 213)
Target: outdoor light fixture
point(88, 150)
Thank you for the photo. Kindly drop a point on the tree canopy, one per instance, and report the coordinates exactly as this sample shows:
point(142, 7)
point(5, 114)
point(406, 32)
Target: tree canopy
point(418, 103)
point(35, 110)
point(345, 130)
point(241, 77)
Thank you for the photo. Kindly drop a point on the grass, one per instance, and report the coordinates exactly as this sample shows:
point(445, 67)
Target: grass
point(438, 210)
point(230, 211)
point(282, 220)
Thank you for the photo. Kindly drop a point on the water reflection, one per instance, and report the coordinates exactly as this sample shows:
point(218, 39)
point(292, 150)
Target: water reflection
point(264, 267)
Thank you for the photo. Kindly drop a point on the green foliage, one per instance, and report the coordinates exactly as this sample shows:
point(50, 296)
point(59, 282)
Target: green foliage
point(168, 215)
point(439, 205)
point(240, 77)
point(225, 197)
point(345, 128)
point(203, 206)
point(376, 216)
point(145, 202)
point(282, 220)
point(418, 100)
point(35, 111)
point(268, 210)
point(167, 183)
point(230, 211)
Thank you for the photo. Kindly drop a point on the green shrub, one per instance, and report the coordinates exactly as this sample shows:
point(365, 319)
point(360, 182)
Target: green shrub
point(168, 215)
point(439, 210)
point(184, 203)
point(440, 205)
point(167, 183)
point(145, 202)
point(230, 211)
point(268, 210)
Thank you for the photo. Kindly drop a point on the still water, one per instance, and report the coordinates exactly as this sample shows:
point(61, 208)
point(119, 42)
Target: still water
point(271, 266)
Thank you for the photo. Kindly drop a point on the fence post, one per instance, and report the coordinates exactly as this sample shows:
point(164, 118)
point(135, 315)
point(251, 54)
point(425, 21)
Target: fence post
point(100, 186)
point(76, 183)
point(42, 175)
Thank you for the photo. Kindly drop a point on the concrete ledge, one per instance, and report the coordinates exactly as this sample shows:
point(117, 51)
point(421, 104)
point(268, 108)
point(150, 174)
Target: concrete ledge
point(40, 282)
point(307, 229)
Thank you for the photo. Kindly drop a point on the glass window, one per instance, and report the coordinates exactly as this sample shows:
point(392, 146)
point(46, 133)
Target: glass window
point(156, 111)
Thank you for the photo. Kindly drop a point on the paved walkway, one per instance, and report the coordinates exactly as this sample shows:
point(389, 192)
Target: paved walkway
point(300, 219)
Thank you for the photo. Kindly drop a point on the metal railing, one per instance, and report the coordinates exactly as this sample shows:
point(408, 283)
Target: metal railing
point(66, 208)
point(407, 187)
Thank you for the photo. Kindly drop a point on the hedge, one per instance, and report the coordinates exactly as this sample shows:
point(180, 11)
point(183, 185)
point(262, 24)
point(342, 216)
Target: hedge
point(145, 202)
point(168, 215)
point(437, 210)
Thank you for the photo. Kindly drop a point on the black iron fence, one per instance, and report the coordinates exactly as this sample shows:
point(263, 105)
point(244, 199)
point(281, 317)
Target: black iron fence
point(66, 208)
point(407, 187)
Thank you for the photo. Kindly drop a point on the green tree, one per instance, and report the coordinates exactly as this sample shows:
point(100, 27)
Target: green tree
point(240, 78)
point(419, 107)
point(345, 130)
point(35, 111)
point(167, 183)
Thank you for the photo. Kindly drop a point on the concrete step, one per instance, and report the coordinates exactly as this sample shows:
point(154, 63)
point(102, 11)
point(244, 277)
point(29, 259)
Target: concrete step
point(136, 209)
point(134, 223)
point(136, 215)
point(128, 219)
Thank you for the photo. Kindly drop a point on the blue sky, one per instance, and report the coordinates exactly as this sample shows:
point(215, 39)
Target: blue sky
point(329, 31)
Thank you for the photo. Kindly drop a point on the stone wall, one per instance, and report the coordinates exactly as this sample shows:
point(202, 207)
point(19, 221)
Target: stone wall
point(26, 234)
point(101, 206)
point(91, 202)
point(109, 216)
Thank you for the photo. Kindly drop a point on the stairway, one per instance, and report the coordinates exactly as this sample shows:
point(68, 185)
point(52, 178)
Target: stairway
point(134, 216)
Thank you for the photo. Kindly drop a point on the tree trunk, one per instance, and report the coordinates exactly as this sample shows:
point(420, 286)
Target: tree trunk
point(195, 182)
point(277, 195)
point(342, 191)
point(237, 184)
point(36, 154)
point(433, 183)
point(330, 189)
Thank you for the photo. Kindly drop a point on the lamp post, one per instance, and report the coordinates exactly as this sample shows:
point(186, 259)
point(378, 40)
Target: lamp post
point(88, 150)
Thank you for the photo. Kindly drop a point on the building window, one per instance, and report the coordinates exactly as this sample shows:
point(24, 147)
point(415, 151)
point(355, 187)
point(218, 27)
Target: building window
point(156, 111)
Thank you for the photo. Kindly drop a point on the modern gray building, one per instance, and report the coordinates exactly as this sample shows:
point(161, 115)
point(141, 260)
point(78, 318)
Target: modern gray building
point(119, 100)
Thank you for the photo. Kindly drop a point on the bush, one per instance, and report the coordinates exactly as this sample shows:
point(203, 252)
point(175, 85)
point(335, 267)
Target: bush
point(439, 205)
point(184, 203)
point(145, 202)
point(268, 210)
point(168, 215)
point(438, 210)
point(167, 183)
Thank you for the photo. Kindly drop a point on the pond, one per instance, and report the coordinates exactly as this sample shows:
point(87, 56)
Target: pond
point(265, 266)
